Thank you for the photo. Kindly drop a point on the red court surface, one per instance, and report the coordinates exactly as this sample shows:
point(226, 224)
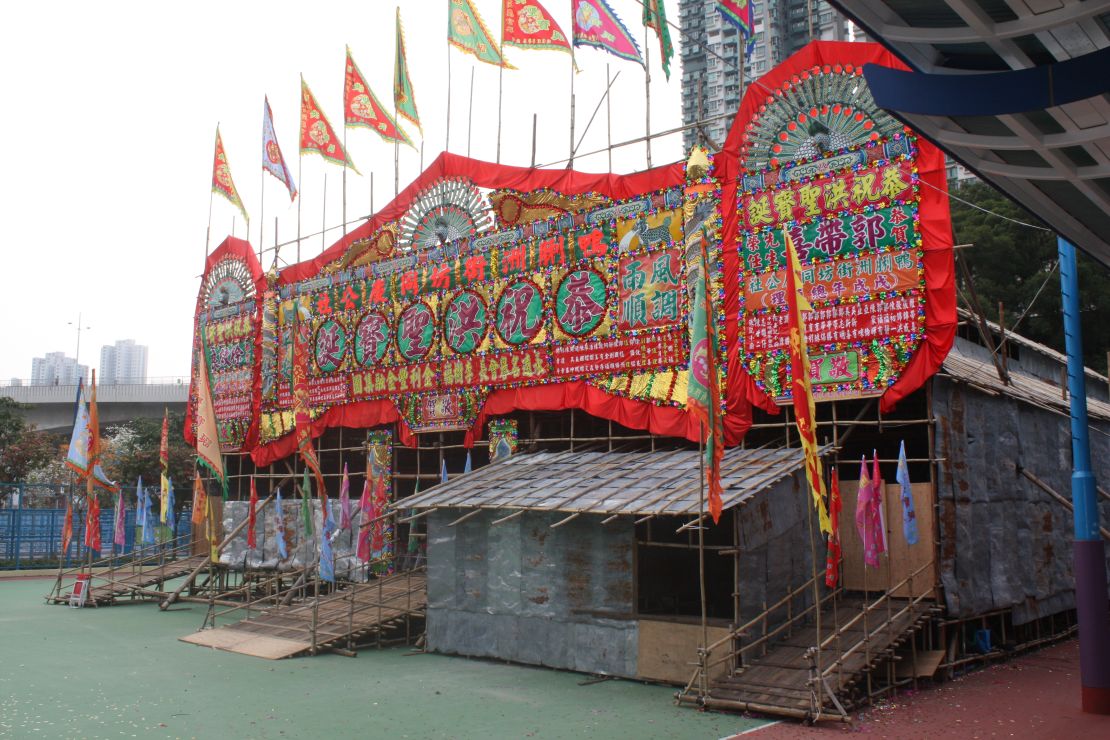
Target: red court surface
point(1033, 696)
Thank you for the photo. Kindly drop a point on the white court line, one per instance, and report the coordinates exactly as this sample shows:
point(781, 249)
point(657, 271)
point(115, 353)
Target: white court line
point(753, 729)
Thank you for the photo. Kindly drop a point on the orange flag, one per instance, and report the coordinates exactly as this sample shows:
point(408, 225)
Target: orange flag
point(800, 392)
point(317, 134)
point(207, 433)
point(221, 177)
point(200, 500)
point(361, 107)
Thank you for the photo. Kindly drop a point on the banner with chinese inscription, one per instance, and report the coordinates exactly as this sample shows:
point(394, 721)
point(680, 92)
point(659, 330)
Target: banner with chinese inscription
point(863, 200)
point(226, 324)
point(481, 289)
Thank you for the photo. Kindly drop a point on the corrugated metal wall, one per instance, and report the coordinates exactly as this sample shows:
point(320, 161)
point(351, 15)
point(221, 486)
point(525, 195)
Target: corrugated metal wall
point(522, 591)
point(1004, 543)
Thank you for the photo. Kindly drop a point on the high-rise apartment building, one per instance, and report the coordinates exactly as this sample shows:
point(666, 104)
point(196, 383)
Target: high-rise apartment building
point(57, 369)
point(712, 55)
point(122, 363)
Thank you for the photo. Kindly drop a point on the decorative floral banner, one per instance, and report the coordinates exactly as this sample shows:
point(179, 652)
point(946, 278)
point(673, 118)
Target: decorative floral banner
point(593, 296)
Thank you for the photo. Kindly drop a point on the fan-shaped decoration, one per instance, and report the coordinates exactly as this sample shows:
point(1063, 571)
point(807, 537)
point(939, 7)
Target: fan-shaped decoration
point(450, 209)
point(815, 113)
point(227, 283)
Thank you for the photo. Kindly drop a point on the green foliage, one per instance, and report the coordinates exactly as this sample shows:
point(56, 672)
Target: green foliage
point(23, 449)
point(1010, 263)
point(133, 451)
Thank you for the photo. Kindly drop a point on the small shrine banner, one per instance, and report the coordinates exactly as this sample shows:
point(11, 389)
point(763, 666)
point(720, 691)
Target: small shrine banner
point(502, 439)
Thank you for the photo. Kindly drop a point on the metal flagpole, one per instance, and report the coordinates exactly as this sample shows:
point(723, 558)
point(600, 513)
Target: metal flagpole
point(647, 92)
point(470, 111)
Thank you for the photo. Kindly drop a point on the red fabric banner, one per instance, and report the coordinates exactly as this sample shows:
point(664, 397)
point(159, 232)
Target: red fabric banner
point(317, 134)
point(936, 228)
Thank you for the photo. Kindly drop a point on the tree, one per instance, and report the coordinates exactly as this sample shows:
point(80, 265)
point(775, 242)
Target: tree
point(1015, 264)
point(132, 450)
point(22, 447)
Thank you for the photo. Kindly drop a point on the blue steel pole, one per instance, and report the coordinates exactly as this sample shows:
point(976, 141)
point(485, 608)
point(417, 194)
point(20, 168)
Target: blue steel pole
point(1091, 599)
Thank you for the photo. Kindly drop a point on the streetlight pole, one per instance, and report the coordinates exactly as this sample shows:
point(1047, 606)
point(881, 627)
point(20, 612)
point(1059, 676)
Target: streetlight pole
point(77, 354)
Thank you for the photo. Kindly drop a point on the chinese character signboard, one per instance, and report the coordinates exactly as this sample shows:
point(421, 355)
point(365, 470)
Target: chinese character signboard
point(862, 199)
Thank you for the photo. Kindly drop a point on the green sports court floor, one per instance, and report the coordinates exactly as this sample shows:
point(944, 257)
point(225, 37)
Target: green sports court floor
point(120, 672)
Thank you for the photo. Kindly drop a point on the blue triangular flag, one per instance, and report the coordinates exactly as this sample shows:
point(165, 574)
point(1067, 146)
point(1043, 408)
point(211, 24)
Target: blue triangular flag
point(443, 471)
point(909, 516)
point(279, 528)
point(466, 468)
point(327, 558)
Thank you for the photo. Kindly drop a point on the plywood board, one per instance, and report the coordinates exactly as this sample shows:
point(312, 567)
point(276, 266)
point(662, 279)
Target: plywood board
point(901, 559)
point(924, 666)
point(247, 643)
point(667, 651)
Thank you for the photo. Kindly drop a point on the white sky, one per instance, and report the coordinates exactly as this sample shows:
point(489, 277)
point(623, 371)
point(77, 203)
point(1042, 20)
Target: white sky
point(110, 118)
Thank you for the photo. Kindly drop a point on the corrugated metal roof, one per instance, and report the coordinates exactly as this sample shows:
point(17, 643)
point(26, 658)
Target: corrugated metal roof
point(981, 374)
point(663, 482)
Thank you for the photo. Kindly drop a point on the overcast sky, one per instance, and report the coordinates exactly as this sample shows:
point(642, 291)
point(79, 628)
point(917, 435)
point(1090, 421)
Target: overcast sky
point(110, 117)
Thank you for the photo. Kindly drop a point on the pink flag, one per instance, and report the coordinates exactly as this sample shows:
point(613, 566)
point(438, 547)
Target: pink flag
point(595, 24)
point(363, 551)
point(345, 501)
point(878, 485)
point(119, 531)
point(867, 517)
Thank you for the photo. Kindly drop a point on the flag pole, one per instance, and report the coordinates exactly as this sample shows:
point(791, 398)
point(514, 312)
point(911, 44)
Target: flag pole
point(608, 118)
point(701, 554)
point(396, 158)
point(570, 158)
point(470, 111)
point(534, 117)
point(371, 192)
point(300, 164)
point(324, 215)
point(500, 83)
point(447, 145)
point(647, 91)
point(262, 216)
point(208, 231)
point(348, 156)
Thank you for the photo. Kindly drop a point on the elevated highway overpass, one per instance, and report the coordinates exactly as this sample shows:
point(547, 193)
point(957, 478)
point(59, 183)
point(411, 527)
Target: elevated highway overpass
point(51, 407)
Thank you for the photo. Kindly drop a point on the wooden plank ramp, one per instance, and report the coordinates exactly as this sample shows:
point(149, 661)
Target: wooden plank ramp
point(340, 619)
point(780, 682)
point(128, 580)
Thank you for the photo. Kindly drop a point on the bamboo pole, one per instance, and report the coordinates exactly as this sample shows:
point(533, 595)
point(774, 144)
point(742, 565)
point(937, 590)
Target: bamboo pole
point(239, 528)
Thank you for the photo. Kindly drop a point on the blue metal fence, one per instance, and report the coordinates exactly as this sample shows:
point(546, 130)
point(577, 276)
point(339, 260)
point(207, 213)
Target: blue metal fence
point(32, 537)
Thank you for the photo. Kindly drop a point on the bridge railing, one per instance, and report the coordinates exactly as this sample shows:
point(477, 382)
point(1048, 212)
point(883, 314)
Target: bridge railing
point(124, 393)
